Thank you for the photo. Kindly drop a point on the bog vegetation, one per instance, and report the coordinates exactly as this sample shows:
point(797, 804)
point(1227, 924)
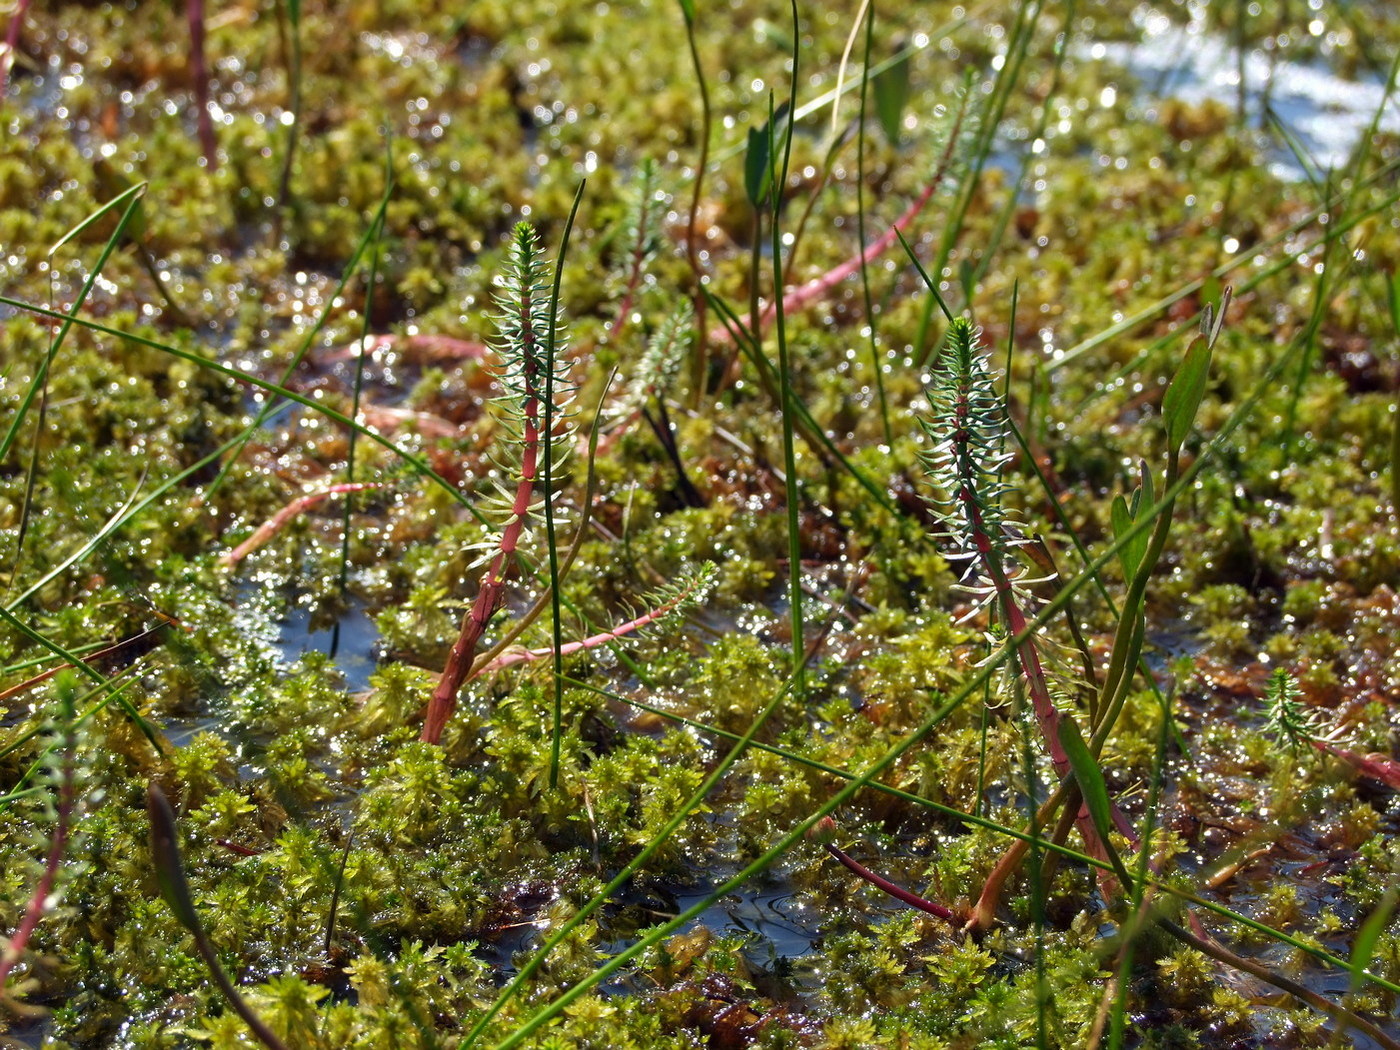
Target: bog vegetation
point(677, 525)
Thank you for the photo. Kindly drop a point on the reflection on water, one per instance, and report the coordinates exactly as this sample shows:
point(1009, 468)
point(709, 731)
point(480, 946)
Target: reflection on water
point(1327, 113)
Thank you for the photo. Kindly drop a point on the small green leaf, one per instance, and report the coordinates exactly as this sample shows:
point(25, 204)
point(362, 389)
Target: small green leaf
point(758, 161)
point(688, 10)
point(758, 172)
point(1183, 397)
point(1131, 553)
point(1364, 947)
point(891, 86)
point(1149, 492)
point(1089, 777)
point(165, 852)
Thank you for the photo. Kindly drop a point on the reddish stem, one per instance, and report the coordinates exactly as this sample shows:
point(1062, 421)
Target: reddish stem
point(194, 10)
point(1047, 715)
point(11, 42)
point(819, 287)
point(885, 885)
point(43, 891)
point(524, 655)
point(488, 596)
point(274, 524)
point(1376, 766)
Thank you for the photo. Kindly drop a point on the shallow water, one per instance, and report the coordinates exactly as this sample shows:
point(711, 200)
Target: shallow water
point(1326, 112)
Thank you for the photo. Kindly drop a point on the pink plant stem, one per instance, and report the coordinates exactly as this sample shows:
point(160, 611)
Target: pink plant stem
point(11, 43)
point(820, 287)
point(194, 10)
point(886, 886)
point(274, 524)
point(1376, 766)
point(40, 902)
point(592, 642)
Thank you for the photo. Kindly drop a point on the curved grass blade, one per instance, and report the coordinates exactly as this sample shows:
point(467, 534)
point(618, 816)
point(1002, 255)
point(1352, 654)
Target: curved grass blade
point(547, 487)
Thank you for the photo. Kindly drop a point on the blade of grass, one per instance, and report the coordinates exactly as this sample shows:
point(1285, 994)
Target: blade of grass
point(1224, 269)
point(1022, 32)
point(778, 175)
point(352, 440)
point(1392, 291)
point(991, 246)
point(875, 365)
point(547, 488)
point(622, 877)
point(84, 668)
point(128, 201)
point(291, 11)
point(816, 438)
point(416, 462)
point(1246, 284)
point(700, 369)
point(1048, 845)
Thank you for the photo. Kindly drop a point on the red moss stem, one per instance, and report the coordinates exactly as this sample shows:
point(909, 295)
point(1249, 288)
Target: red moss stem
point(663, 610)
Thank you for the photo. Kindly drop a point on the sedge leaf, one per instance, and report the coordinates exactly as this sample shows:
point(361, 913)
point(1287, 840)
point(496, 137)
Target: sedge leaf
point(1392, 291)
